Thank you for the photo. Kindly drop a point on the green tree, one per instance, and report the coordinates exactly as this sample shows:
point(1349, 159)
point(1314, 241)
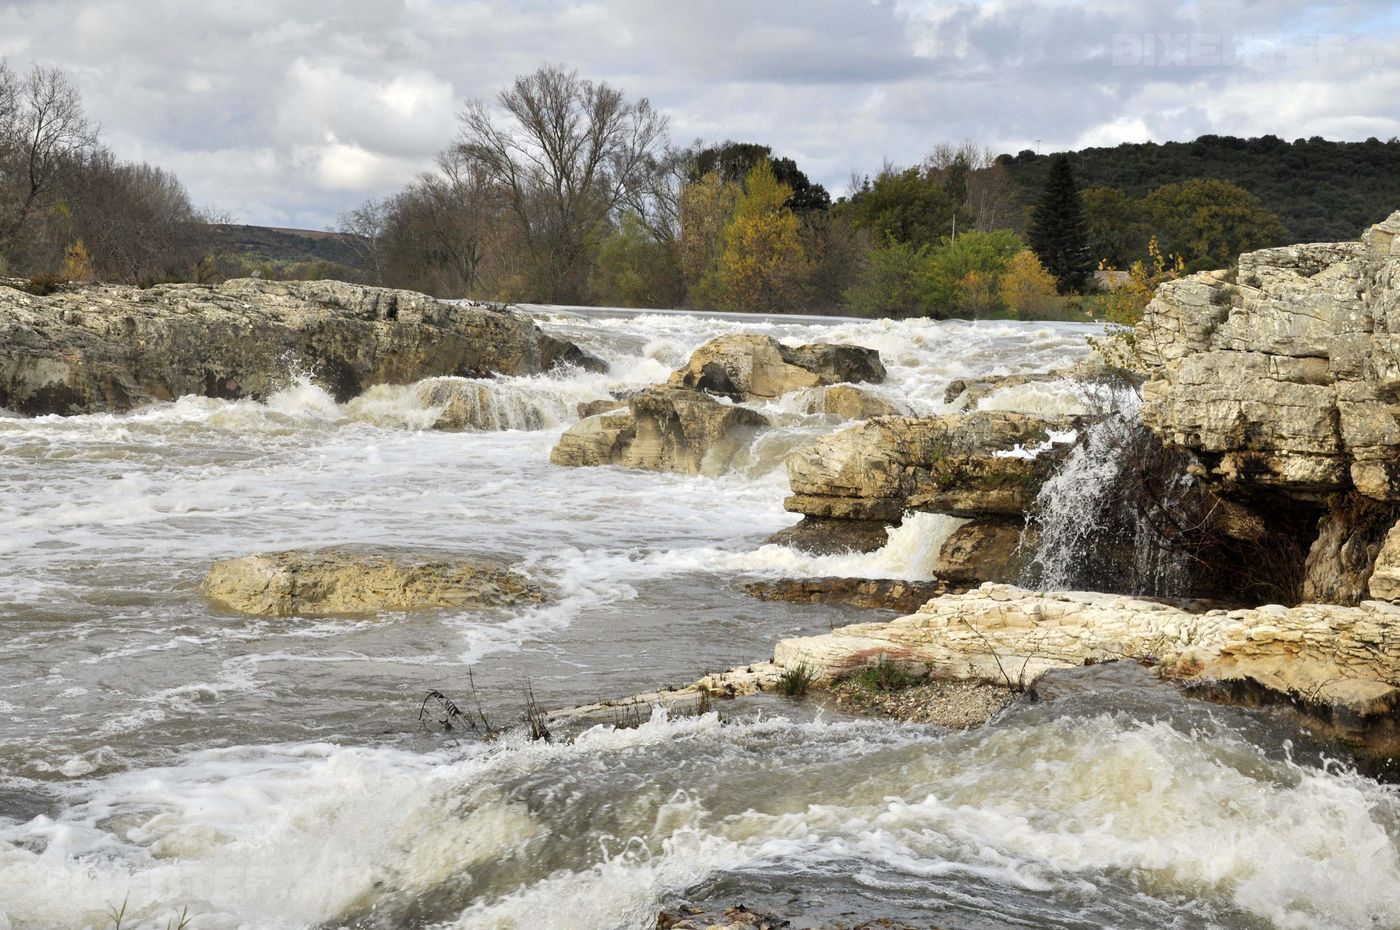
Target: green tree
point(1117, 226)
point(634, 269)
point(906, 206)
point(1209, 222)
point(889, 283)
point(706, 206)
point(946, 271)
point(762, 265)
point(1057, 233)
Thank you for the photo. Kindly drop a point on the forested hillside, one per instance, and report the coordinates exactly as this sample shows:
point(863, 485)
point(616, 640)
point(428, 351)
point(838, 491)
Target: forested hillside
point(1321, 191)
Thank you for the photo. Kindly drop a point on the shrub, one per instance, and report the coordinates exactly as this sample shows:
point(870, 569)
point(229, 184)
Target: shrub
point(795, 682)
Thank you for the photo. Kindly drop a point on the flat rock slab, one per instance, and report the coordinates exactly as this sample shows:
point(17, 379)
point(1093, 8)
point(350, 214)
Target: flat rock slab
point(348, 581)
point(99, 347)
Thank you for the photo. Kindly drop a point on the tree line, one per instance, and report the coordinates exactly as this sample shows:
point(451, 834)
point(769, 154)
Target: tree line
point(568, 191)
point(69, 208)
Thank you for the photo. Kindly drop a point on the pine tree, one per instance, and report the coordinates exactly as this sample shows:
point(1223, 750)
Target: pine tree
point(1058, 235)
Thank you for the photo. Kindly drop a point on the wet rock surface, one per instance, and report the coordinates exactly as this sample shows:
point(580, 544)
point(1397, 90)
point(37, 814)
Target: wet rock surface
point(958, 705)
point(865, 593)
point(748, 367)
point(91, 348)
point(352, 581)
point(662, 430)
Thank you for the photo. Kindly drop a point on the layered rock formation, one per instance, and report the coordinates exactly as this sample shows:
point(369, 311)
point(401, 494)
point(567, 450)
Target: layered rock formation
point(1285, 385)
point(349, 581)
point(662, 430)
point(749, 367)
point(986, 467)
point(1340, 662)
point(105, 347)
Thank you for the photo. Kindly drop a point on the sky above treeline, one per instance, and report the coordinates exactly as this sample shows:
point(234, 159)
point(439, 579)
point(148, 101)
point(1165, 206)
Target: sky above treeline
point(287, 113)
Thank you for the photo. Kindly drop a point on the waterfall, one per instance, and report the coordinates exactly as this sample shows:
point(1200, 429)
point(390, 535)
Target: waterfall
point(1117, 516)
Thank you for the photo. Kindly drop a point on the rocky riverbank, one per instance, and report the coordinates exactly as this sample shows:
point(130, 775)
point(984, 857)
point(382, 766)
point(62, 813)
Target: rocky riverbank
point(89, 348)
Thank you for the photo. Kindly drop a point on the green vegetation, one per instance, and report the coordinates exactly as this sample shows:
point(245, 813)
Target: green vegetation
point(629, 219)
point(795, 682)
point(1321, 191)
point(1057, 233)
point(884, 675)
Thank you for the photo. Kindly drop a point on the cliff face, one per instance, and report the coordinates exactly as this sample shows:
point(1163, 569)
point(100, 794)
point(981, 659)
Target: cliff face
point(1285, 386)
point(109, 348)
point(1288, 379)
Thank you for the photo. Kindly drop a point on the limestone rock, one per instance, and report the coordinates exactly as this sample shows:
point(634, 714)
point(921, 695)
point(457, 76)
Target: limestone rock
point(826, 536)
point(592, 408)
point(1342, 662)
point(865, 593)
point(748, 367)
point(851, 403)
point(107, 347)
point(964, 465)
point(349, 581)
point(1289, 379)
point(1384, 581)
point(475, 405)
point(983, 550)
point(662, 430)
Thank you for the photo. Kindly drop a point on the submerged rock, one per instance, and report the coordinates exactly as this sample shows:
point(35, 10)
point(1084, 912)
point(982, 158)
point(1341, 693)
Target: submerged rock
point(747, 367)
point(865, 593)
point(93, 348)
point(348, 581)
point(852, 403)
point(662, 430)
point(474, 405)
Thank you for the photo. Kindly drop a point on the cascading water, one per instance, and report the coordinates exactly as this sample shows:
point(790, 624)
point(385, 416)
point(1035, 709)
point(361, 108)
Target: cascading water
point(1106, 520)
point(272, 773)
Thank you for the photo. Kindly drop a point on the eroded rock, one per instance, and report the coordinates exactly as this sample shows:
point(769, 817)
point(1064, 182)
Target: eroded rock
point(864, 593)
point(662, 430)
point(1341, 662)
point(852, 403)
point(964, 465)
point(1286, 379)
point(751, 367)
point(351, 581)
point(110, 348)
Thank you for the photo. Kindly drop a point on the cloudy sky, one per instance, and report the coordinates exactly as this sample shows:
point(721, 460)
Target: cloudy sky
point(286, 113)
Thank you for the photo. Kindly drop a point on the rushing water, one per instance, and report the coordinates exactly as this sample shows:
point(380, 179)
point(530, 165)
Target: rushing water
point(271, 773)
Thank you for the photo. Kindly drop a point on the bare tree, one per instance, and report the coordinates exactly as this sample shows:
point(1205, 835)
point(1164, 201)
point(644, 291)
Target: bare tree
point(365, 226)
point(46, 136)
point(984, 185)
point(567, 152)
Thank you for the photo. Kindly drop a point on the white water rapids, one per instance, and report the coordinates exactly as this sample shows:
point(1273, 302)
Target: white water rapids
point(271, 773)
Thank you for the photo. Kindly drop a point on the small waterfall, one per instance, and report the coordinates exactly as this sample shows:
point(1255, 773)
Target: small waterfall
point(1117, 516)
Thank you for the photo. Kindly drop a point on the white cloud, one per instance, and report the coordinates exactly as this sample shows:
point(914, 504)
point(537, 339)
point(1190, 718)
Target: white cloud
point(290, 113)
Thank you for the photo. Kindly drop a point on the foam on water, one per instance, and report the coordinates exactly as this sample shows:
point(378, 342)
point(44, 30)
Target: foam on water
point(270, 772)
point(1127, 822)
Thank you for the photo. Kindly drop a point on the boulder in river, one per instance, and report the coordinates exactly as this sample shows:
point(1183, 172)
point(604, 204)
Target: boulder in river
point(852, 403)
point(350, 581)
point(662, 429)
point(99, 347)
point(748, 367)
point(964, 465)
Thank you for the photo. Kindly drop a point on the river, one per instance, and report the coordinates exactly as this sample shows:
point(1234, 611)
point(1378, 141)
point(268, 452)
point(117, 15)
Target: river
point(273, 773)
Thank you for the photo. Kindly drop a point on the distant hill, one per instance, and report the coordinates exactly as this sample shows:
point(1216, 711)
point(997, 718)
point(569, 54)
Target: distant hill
point(1322, 191)
point(281, 248)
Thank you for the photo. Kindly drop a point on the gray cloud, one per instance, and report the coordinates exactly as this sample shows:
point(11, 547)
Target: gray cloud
point(289, 113)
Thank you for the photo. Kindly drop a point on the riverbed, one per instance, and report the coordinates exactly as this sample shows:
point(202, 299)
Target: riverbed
point(160, 753)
